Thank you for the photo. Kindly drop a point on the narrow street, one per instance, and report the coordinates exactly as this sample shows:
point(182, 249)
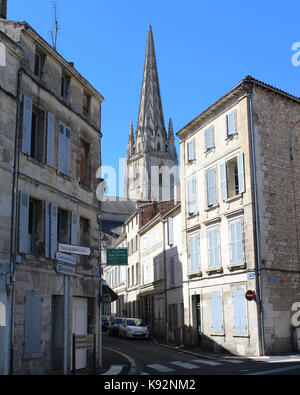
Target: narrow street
point(150, 359)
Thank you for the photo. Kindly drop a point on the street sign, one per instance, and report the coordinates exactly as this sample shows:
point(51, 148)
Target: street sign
point(64, 269)
point(250, 295)
point(118, 257)
point(66, 258)
point(72, 249)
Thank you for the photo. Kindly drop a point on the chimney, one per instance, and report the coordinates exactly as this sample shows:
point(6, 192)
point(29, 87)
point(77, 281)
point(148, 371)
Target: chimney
point(3, 9)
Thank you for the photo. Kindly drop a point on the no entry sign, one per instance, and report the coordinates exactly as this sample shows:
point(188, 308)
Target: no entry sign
point(250, 295)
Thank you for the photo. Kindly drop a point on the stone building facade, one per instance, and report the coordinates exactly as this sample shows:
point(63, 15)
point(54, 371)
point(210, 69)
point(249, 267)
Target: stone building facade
point(58, 156)
point(240, 221)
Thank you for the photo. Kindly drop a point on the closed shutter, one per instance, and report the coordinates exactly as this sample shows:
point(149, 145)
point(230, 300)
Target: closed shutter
point(33, 323)
point(53, 248)
point(191, 150)
point(50, 139)
point(216, 312)
point(61, 148)
point(209, 138)
point(223, 176)
point(170, 231)
point(211, 186)
point(231, 123)
point(192, 198)
point(236, 242)
point(47, 229)
point(68, 134)
point(213, 247)
point(23, 223)
point(194, 253)
point(27, 123)
point(74, 228)
point(239, 310)
point(241, 177)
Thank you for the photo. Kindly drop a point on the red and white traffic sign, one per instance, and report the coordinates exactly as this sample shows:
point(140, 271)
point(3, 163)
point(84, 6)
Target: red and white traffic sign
point(250, 295)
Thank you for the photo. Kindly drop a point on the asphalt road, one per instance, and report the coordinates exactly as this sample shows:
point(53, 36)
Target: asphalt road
point(143, 357)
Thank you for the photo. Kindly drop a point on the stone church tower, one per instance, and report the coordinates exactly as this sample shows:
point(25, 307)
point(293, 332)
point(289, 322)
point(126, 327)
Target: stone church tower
point(151, 162)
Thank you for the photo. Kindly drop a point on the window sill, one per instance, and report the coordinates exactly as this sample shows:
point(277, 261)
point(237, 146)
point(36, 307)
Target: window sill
point(85, 187)
point(209, 150)
point(35, 161)
point(68, 178)
point(212, 207)
point(33, 356)
point(231, 136)
point(191, 161)
point(214, 270)
point(234, 198)
point(221, 334)
point(196, 274)
point(192, 215)
point(237, 266)
point(245, 335)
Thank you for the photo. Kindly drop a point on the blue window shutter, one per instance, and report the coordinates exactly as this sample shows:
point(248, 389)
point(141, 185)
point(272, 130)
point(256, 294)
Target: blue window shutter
point(231, 123)
point(194, 253)
point(241, 177)
point(216, 312)
point(61, 148)
point(33, 323)
point(236, 242)
point(26, 127)
point(23, 222)
point(239, 309)
point(53, 245)
point(68, 136)
point(74, 228)
point(191, 150)
point(211, 186)
point(223, 176)
point(170, 231)
point(209, 138)
point(47, 229)
point(214, 247)
point(192, 198)
point(50, 139)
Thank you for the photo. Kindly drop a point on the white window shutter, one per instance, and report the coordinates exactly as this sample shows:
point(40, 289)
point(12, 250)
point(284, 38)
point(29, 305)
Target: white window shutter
point(61, 148)
point(241, 176)
point(223, 176)
point(209, 138)
point(26, 127)
point(50, 139)
point(211, 186)
point(191, 150)
point(170, 231)
point(192, 196)
point(23, 222)
point(214, 248)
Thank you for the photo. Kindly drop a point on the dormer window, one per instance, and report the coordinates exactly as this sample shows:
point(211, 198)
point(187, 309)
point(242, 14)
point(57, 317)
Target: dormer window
point(38, 64)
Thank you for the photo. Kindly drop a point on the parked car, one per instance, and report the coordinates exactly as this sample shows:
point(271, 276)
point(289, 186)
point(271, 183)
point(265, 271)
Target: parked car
point(133, 327)
point(113, 329)
point(105, 323)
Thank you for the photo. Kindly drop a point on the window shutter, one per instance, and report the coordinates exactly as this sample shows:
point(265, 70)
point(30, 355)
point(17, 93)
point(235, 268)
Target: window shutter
point(194, 253)
point(53, 246)
point(68, 134)
point(61, 148)
point(170, 231)
point(23, 223)
point(211, 186)
point(74, 228)
point(236, 242)
point(241, 177)
point(231, 123)
point(223, 176)
point(33, 315)
point(191, 150)
point(216, 312)
point(239, 309)
point(209, 138)
point(50, 139)
point(47, 229)
point(192, 202)
point(213, 248)
point(26, 127)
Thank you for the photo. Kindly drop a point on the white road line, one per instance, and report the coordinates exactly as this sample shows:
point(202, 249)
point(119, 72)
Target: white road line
point(206, 362)
point(114, 370)
point(185, 365)
point(230, 360)
point(274, 371)
point(160, 368)
point(284, 360)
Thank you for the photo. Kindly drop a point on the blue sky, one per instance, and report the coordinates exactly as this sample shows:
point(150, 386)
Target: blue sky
point(203, 49)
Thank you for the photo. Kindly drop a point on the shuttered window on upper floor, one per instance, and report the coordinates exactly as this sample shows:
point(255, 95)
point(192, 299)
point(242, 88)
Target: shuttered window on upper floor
point(191, 150)
point(64, 149)
point(192, 196)
point(194, 253)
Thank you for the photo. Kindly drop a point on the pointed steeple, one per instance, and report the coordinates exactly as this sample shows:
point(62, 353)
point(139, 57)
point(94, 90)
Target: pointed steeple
point(171, 141)
point(131, 142)
point(150, 118)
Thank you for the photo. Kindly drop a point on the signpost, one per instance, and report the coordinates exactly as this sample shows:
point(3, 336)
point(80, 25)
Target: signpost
point(64, 269)
point(118, 257)
point(250, 295)
point(73, 249)
point(66, 258)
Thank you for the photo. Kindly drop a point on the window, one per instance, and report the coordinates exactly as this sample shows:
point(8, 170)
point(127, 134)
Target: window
point(236, 242)
point(65, 81)
point(192, 196)
point(38, 64)
point(232, 177)
point(63, 226)
point(158, 146)
point(211, 186)
point(231, 123)
point(64, 149)
point(33, 323)
point(172, 186)
point(194, 253)
point(191, 150)
point(160, 187)
point(216, 312)
point(86, 103)
point(239, 310)
point(85, 164)
point(172, 271)
point(209, 138)
point(213, 248)
point(173, 316)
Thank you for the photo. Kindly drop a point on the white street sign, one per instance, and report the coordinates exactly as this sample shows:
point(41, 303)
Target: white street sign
point(72, 249)
point(60, 256)
point(64, 269)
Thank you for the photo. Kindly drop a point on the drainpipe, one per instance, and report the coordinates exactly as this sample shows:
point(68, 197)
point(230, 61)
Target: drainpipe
point(165, 281)
point(13, 235)
point(249, 89)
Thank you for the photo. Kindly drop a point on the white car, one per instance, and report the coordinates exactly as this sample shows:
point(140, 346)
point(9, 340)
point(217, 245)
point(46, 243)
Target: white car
point(133, 327)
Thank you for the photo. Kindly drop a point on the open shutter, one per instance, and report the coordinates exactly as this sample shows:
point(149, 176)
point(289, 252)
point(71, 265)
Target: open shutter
point(209, 138)
point(68, 135)
point(61, 148)
point(26, 127)
point(50, 139)
point(53, 246)
point(23, 223)
point(239, 310)
point(192, 198)
point(191, 150)
point(236, 242)
point(223, 176)
point(211, 186)
point(74, 228)
point(194, 253)
point(241, 177)
point(213, 247)
point(216, 312)
point(47, 229)
point(33, 323)
point(170, 231)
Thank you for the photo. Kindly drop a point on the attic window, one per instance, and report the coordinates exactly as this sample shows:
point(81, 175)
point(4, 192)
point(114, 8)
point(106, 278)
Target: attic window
point(86, 104)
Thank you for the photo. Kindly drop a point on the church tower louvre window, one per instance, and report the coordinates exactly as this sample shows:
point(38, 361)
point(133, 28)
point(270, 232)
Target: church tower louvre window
point(151, 149)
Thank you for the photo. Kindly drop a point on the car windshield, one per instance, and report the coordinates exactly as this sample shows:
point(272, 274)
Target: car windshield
point(134, 322)
point(130, 323)
point(139, 323)
point(117, 321)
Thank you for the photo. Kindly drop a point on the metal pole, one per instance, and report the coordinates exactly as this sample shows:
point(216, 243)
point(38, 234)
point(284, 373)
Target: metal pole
point(66, 313)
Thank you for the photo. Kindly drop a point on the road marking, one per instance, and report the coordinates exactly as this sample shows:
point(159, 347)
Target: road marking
point(185, 365)
point(131, 361)
point(285, 360)
point(206, 362)
point(114, 370)
point(274, 370)
point(160, 368)
point(230, 360)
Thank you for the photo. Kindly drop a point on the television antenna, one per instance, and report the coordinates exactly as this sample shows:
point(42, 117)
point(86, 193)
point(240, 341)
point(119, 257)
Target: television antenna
point(55, 32)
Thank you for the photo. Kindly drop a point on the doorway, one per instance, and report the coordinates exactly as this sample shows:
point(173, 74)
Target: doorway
point(80, 327)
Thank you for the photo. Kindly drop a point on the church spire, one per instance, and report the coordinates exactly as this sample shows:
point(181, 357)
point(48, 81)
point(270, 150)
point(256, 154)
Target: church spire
point(150, 118)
